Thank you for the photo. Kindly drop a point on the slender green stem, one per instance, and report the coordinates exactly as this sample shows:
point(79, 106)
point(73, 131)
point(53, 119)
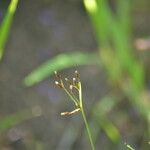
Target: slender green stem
point(87, 128)
point(84, 117)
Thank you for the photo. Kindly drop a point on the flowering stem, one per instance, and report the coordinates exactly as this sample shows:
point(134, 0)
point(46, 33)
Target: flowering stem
point(77, 100)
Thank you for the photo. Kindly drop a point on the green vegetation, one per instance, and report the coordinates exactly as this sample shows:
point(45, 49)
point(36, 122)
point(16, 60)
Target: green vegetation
point(116, 56)
point(14, 119)
point(6, 24)
point(62, 61)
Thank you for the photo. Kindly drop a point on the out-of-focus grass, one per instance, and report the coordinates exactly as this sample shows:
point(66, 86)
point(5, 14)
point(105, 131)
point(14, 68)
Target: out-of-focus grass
point(113, 31)
point(100, 120)
point(100, 111)
point(39, 145)
point(61, 61)
point(5, 26)
point(14, 119)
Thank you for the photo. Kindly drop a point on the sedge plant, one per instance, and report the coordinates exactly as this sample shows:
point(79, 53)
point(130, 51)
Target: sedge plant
point(73, 89)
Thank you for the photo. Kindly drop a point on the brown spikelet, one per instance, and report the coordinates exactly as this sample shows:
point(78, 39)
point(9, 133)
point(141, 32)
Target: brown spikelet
point(58, 84)
point(58, 76)
point(70, 113)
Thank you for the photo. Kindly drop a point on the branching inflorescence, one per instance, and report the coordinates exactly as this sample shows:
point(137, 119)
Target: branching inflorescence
point(74, 90)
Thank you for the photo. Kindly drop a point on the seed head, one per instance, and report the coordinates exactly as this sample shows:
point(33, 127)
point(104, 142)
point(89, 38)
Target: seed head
point(57, 75)
point(77, 74)
point(66, 79)
point(55, 72)
point(70, 113)
point(71, 87)
point(58, 84)
point(74, 81)
point(77, 77)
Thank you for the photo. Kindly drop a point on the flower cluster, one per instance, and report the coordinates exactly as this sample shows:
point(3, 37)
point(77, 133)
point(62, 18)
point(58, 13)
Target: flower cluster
point(72, 88)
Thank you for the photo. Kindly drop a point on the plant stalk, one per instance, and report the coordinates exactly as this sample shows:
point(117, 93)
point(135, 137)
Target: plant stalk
point(87, 128)
point(84, 117)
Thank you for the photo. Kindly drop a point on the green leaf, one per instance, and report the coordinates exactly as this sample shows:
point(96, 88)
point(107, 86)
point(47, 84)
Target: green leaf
point(4, 28)
point(61, 61)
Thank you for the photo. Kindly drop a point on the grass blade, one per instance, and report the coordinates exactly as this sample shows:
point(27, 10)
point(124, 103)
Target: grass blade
point(14, 119)
point(4, 28)
point(61, 61)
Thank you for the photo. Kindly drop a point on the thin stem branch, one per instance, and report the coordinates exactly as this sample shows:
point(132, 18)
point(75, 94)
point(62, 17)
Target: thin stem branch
point(72, 98)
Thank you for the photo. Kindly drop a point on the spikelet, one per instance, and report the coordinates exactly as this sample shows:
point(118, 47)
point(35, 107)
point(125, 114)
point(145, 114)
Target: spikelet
point(70, 113)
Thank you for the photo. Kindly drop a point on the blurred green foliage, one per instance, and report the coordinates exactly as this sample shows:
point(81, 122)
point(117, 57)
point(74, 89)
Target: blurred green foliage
point(100, 111)
point(61, 61)
point(124, 69)
point(6, 24)
point(14, 119)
